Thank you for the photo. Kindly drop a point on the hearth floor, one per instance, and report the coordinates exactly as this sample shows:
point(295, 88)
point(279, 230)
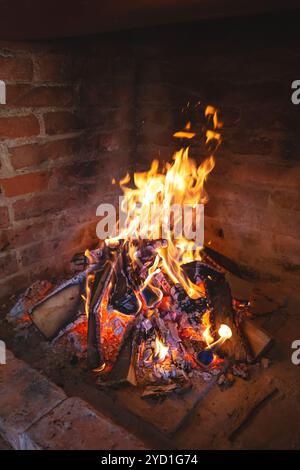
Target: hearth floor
point(241, 417)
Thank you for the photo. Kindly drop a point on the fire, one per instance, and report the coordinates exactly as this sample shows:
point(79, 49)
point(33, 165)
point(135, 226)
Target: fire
point(186, 133)
point(160, 350)
point(225, 333)
point(154, 207)
point(89, 280)
point(149, 205)
point(206, 323)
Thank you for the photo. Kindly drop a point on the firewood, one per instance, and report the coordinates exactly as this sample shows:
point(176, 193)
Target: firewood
point(241, 289)
point(122, 296)
point(220, 303)
point(258, 339)
point(102, 279)
point(224, 263)
point(57, 310)
point(29, 299)
point(123, 372)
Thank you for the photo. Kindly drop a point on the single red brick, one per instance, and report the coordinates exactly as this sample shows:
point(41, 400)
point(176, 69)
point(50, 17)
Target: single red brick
point(74, 424)
point(36, 206)
point(38, 96)
point(18, 126)
point(54, 67)
point(4, 217)
point(24, 184)
point(20, 236)
point(16, 68)
point(61, 122)
point(45, 249)
point(46, 203)
point(34, 154)
point(25, 398)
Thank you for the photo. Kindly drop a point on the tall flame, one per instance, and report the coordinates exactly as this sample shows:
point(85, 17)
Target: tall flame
point(154, 206)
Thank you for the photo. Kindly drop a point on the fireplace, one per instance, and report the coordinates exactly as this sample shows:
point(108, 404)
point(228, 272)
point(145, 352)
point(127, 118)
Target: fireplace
point(150, 334)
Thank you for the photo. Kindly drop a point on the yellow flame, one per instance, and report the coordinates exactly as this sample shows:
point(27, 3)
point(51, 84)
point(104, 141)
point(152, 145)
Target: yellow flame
point(160, 350)
point(206, 323)
point(150, 202)
point(212, 111)
point(89, 279)
point(153, 270)
point(184, 135)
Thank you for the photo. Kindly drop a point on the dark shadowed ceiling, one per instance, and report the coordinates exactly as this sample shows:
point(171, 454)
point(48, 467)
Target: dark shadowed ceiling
point(33, 19)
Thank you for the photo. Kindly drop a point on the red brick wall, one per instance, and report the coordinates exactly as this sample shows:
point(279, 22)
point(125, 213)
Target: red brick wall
point(42, 214)
point(82, 112)
point(245, 68)
point(64, 133)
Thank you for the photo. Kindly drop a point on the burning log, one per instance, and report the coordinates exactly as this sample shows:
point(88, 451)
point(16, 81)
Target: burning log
point(123, 372)
point(225, 264)
point(101, 281)
point(219, 301)
point(122, 296)
point(63, 304)
point(222, 312)
point(59, 308)
point(259, 341)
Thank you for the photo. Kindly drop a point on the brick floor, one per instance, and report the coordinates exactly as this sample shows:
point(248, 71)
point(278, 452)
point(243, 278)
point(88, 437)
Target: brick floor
point(25, 396)
point(36, 414)
point(73, 424)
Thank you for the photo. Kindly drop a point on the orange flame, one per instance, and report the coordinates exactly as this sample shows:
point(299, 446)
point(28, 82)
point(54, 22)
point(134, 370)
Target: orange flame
point(154, 197)
point(154, 207)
